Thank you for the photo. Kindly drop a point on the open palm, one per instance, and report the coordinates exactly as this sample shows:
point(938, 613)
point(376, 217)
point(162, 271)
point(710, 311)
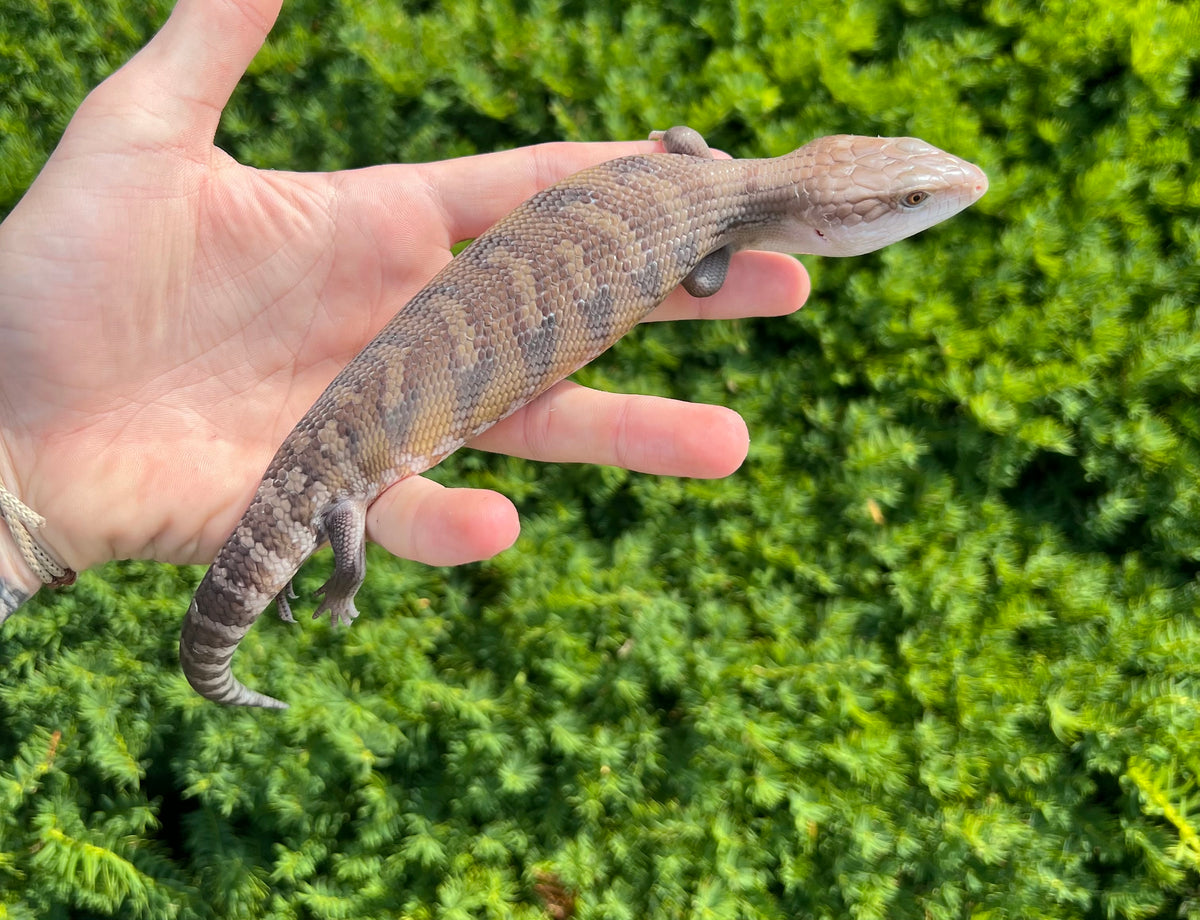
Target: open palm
point(167, 314)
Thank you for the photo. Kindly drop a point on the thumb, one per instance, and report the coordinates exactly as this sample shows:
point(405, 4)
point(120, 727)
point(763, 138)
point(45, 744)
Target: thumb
point(184, 77)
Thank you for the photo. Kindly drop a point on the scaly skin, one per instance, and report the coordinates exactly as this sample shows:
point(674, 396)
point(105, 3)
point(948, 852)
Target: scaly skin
point(533, 299)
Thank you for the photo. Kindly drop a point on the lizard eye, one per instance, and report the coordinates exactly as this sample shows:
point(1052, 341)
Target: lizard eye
point(912, 199)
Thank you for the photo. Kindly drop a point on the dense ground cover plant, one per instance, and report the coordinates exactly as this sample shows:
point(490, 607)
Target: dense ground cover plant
point(932, 653)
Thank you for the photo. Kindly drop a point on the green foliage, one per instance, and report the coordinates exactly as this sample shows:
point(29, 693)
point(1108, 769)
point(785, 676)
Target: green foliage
point(932, 653)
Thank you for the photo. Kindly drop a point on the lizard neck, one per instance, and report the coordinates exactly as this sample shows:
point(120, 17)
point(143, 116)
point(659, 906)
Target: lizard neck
point(773, 197)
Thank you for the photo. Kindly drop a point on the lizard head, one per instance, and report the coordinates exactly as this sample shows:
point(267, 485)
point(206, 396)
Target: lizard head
point(853, 195)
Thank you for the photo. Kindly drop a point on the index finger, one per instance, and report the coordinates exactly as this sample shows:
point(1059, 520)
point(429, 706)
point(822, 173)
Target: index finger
point(474, 192)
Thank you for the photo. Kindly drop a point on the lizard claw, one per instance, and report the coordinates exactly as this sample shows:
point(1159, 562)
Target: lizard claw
point(341, 609)
point(282, 605)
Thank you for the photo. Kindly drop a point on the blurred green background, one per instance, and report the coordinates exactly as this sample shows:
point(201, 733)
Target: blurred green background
point(931, 653)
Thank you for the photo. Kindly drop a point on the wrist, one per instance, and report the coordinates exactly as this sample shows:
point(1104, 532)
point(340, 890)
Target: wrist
point(25, 563)
point(18, 582)
point(15, 591)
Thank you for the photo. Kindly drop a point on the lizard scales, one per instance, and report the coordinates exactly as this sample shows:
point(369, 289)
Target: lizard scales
point(536, 297)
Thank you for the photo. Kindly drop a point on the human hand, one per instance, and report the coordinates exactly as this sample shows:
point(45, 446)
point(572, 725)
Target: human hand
point(167, 314)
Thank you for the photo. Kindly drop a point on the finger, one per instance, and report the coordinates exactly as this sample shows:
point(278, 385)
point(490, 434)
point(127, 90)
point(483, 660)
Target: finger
point(475, 192)
point(573, 424)
point(421, 520)
point(188, 71)
point(759, 284)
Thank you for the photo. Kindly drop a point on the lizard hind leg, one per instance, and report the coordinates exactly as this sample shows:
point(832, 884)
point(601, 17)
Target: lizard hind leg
point(344, 524)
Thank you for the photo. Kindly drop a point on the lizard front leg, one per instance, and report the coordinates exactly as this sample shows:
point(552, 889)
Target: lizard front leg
point(682, 139)
point(709, 274)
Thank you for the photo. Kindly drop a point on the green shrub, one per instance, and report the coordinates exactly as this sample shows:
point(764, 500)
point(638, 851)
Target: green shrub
point(932, 653)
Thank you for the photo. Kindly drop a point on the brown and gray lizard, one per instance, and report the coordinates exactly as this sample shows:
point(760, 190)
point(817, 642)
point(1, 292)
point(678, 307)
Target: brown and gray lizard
point(533, 299)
